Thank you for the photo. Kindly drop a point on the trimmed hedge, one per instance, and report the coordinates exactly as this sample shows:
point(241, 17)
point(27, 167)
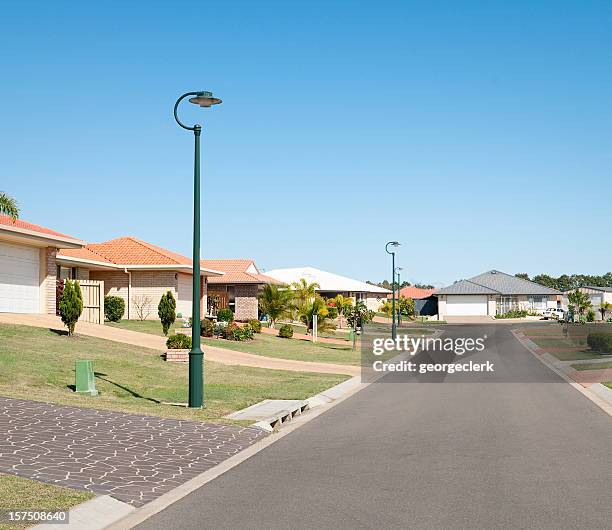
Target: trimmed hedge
point(114, 308)
point(600, 342)
point(178, 342)
point(207, 328)
point(285, 331)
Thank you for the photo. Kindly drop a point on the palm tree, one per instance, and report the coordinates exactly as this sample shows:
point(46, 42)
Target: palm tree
point(304, 291)
point(342, 305)
point(275, 302)
point(8, 206)
point(318, 307)
point(580, 302)
point(605, 307)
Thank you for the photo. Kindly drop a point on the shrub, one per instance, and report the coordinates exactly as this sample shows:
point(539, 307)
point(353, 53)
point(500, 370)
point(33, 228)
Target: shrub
point(219, 329)
point(600, 342)
point(179, 342)
point(247, 332)
point(167, 311)
point(225, 315)
point(255, 325)
point(232, 332)
point(71, 305)
point(114, 308)
point(207, 328)
point(514, 313)
point(285, 331)
point(590, 316)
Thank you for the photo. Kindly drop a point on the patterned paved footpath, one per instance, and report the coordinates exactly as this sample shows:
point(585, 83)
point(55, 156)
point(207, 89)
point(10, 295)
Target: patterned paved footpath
point(130, 457)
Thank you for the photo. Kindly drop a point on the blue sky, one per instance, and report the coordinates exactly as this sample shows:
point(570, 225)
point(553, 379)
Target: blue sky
point(478, 134)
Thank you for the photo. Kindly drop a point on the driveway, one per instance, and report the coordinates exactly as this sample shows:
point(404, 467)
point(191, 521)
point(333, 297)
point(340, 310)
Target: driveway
point(156, 342)
point(526, 451)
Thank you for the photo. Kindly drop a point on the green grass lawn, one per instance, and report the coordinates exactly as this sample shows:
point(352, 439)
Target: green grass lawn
point(295, 349)
point(608, 384)
point(592, 366)
point(152, 327)
point(38, 364)
point(550, 341)
point(23, 494)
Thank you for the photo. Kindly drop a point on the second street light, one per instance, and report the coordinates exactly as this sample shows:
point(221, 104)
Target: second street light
point(398, 270)
point(392, 252)
point(196, 371)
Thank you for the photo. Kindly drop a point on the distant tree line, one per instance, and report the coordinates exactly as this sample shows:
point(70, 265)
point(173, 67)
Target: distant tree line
point(566, 282)
point(386, 284)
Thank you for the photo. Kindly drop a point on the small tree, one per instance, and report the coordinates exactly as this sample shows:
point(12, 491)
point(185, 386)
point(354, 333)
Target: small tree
point(316, 307)
point(167, 311)
point(276, 302)
point(71, 305)
point(142, 306)
point(580, 301)
point(343, 304)
point(605, 307)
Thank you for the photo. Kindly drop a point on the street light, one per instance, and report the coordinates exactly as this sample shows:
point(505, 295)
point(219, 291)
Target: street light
point(393, 325)
point(196, 374)
point(399, 287)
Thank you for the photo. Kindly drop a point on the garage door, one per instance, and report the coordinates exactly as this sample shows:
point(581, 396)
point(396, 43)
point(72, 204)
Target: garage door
point(19, 279)
point(466, 305)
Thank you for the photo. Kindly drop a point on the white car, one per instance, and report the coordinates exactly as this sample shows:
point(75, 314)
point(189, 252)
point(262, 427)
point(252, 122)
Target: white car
point(554, 312)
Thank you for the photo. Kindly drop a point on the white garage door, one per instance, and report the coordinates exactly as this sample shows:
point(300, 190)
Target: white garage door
point(19, 279)
point(466, 305)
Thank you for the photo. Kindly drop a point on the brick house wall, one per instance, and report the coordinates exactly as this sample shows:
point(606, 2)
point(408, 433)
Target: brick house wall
point(48, 280)
point(245, 297)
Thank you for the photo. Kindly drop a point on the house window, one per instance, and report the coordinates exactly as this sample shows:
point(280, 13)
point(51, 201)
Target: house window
point(66, 273)
point(506, 304)
point(537, 302)
point(231, 298)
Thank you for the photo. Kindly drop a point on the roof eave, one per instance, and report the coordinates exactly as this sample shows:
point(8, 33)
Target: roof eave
point(58, 241)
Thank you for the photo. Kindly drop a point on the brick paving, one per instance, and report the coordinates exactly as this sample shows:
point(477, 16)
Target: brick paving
point(130, 457)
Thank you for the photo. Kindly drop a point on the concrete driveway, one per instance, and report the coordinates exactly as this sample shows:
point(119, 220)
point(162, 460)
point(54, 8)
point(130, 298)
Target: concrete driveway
point(525, 451)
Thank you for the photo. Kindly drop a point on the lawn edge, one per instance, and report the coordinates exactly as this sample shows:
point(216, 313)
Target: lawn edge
point(602, 397)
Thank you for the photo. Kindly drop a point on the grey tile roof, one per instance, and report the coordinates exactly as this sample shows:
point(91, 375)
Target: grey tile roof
point(495, 282)
point(596, 288)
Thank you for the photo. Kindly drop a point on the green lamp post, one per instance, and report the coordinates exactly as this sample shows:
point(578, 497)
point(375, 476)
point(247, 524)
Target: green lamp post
point(196, 373)
point(399, 287)
point(393, 323)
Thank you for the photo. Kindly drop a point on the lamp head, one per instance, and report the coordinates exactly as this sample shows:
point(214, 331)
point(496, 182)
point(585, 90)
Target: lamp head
point(204, 99)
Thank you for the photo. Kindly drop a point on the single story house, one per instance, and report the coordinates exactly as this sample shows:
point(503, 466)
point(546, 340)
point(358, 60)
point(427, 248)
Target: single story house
point(492, 293)
point(238, 288)
point(28, 265)
point(597, 295)
point(331, 285)
point(137, 271)
point(425, 304)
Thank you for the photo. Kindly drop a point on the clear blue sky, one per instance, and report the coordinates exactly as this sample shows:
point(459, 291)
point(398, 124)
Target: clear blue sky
point(479, 134)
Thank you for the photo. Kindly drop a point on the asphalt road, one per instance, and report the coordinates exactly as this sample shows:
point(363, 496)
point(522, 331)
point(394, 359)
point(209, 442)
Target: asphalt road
point(526, 451)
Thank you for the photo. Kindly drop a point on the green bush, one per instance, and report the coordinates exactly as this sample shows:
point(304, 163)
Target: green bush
point(515, 313)
point(285, 331)
point(207, 328)
point(590, 316)
point(256, 325)
point(71, 305)
point(179, 342)
point(114, 308)
point(225, 315)
point(600, 342)
point(247, 332)
point(166, 311)
point(232, 332)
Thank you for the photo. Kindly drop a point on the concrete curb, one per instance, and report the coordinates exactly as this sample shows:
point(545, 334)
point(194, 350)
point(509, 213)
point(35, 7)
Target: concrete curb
point(599, 394)
point(94, 514)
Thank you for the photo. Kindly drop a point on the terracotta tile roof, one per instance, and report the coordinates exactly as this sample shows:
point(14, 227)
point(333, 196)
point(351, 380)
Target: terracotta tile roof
point(415, 292)
point(236, 271)
point(82, 253)
point(5, 220)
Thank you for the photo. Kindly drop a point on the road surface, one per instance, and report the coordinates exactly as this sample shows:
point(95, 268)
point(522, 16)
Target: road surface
point(527, 451)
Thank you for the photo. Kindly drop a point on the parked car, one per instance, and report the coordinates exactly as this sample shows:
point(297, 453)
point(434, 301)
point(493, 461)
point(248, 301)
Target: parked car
point(554, 312)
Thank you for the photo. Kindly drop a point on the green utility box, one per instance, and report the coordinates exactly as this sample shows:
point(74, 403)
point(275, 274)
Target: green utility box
point(85, 378)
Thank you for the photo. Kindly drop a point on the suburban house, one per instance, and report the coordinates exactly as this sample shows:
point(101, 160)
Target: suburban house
point(597, 295)
point(331, 285)
point(137, 271)
point(492, 293)
point(238, 288)
point(425, 303)
point(28, 265)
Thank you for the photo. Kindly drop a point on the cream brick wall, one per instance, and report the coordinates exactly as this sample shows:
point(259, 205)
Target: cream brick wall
point(48, 280)
point(82, 274)
point(245, 297)
point(152, 284)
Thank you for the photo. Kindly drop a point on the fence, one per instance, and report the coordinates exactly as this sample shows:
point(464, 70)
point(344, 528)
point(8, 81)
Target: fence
point(93, 300)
